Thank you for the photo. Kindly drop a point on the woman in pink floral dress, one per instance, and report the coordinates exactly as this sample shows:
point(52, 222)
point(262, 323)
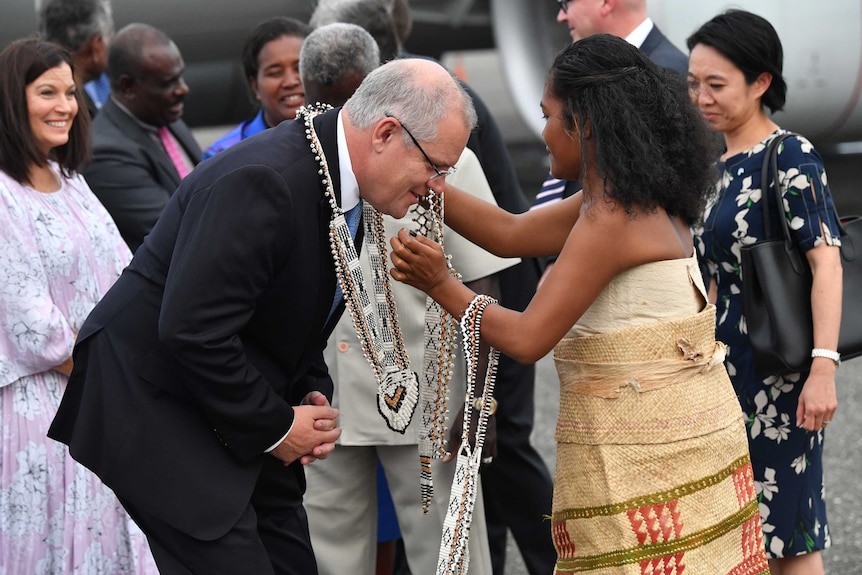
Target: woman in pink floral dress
point(59, 252)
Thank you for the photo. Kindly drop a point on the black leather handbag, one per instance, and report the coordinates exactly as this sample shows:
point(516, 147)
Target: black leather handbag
point(776, 283)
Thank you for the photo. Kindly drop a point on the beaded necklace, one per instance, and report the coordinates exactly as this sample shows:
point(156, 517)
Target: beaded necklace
point(441, 331)
point(454, 557)
point(381, 339)
point(382, 342)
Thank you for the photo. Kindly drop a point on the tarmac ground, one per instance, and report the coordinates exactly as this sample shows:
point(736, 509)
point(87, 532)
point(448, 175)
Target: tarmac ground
point(842, 463)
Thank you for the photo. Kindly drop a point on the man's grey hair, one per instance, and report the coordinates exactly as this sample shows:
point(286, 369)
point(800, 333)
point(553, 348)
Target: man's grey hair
point(373, 15)
point(71, 23)
point(334, 51)
point(395, 88)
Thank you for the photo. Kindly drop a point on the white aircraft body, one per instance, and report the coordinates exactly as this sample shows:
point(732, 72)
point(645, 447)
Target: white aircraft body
point(822, 47)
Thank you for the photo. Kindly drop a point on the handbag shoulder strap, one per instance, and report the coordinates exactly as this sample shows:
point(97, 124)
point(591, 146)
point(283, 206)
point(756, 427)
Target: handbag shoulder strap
point(769, 182)
point(770, 186)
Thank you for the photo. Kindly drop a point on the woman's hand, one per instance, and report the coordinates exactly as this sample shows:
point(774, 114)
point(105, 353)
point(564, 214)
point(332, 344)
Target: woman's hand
point(818, 400)
point(418, 261)
point(65, 368)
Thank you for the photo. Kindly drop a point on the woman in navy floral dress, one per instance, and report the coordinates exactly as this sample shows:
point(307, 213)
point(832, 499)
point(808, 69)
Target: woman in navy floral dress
point(734, 71)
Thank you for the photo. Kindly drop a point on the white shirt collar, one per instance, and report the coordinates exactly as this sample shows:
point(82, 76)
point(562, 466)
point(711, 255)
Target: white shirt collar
point(349, 185)
point(639, 34)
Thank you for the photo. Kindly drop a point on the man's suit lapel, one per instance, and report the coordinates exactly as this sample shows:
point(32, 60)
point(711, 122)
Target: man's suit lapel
point(329, 140)
point(652, 41)
point(662, 51)
point(325, 126)
point(168, 175)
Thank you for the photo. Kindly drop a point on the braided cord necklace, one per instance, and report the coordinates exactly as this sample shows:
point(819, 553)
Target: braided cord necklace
point(454, 557)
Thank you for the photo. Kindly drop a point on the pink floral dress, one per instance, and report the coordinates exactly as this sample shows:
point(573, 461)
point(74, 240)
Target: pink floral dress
point(59, 253)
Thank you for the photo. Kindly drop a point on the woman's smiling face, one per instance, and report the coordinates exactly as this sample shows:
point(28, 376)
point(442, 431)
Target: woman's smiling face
point(278, 86)
point(52, 107)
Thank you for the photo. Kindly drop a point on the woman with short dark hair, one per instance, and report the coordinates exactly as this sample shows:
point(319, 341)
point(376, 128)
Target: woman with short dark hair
point(59, 253)
point(270, 59)
point(735, 73)
point(652, 461)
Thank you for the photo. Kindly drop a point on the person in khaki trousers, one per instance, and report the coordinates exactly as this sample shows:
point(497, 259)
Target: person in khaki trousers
point(341, 499)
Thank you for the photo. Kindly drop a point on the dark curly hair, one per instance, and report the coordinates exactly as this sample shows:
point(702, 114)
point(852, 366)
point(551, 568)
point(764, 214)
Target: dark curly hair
point(652, 146)
point(21, 62)
point(752, 44)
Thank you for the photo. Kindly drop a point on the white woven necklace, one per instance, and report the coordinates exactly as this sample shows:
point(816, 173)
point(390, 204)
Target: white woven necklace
point(441, 337)
point(382, 342)
point(454, 556)
point(376, 322)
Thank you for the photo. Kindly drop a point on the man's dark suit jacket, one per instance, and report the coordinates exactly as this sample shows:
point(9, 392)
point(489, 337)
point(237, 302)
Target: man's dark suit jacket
point(91, 106)
point(186, 371)
point(130, 173)
point(662, 51)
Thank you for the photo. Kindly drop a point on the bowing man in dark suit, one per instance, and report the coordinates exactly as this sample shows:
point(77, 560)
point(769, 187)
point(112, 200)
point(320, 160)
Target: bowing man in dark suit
point(199, 388)
point(141, 147)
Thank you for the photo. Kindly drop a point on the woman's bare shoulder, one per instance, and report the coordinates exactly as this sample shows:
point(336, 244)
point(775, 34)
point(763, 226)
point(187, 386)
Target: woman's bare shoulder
point(636, 238)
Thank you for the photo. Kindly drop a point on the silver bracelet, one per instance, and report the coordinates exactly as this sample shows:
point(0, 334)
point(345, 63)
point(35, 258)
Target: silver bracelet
point(828, 354)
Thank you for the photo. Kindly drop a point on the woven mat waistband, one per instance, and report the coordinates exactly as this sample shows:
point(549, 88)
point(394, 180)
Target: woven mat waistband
point(653, 341)
point(643, 357)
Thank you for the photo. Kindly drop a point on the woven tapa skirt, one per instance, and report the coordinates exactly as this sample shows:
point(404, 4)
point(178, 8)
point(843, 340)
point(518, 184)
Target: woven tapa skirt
point(653, 474)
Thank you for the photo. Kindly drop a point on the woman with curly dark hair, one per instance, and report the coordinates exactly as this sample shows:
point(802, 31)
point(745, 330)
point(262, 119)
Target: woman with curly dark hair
point(652, 460)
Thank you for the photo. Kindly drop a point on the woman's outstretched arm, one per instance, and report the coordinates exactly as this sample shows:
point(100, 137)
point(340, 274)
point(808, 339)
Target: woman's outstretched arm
point(540, 232)
point(603, 243)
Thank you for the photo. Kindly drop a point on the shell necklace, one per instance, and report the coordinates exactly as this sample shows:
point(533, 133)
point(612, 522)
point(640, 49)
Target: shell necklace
point(375, 320)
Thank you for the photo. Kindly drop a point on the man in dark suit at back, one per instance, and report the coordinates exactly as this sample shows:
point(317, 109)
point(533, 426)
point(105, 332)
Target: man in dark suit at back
point(199, 389)
point(626, 19)
point(141, 147)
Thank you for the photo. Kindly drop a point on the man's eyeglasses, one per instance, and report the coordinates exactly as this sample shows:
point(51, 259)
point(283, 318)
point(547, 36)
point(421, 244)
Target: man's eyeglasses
point(564, 5)
point(437, 172)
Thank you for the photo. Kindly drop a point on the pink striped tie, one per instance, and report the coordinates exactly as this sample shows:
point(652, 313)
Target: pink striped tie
point(173, 151)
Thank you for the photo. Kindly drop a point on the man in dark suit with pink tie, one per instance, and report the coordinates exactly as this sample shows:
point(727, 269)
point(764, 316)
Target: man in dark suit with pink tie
point(141, 147)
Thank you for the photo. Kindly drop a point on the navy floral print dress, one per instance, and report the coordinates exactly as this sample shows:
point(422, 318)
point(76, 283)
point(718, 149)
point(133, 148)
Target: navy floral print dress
point(787, 460)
